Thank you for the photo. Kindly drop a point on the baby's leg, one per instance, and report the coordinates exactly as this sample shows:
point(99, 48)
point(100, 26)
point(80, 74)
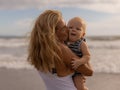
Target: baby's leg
point(79, 81)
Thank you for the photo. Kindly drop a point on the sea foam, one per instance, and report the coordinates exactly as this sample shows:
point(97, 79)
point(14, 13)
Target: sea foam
point(104, 54)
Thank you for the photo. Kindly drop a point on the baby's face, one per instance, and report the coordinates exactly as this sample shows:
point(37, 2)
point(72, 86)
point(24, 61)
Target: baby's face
point(76, 30)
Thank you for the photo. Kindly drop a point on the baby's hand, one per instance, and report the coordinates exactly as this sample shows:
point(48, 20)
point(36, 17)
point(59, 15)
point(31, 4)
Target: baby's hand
point(75, 63)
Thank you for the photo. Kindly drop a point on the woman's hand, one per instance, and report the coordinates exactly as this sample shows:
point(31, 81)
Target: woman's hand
point(75, 63)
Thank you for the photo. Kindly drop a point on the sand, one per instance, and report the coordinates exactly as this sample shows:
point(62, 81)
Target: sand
point(24, 79)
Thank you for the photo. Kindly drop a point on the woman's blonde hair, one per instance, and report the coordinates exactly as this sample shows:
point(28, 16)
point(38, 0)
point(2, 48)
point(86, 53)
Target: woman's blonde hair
point(43, 49)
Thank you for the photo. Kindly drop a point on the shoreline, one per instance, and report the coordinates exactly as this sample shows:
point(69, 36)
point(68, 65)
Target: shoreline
point(24, 79)
point(93, 37)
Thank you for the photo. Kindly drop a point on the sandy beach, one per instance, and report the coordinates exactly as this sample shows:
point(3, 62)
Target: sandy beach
point(24, 79)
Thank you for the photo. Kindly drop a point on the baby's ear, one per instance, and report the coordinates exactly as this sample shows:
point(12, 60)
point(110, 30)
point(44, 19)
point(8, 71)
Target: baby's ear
point(83, 34)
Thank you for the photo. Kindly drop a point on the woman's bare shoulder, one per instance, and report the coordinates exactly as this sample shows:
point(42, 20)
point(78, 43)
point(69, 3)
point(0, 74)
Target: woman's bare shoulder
point(66, 51)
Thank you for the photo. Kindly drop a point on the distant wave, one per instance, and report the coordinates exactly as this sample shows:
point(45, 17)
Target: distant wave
point(104, 44)
point(101, 62)
point(13, 42)
point(9, 61)
point(22, 42)
point(105, 54)
point(103, 38)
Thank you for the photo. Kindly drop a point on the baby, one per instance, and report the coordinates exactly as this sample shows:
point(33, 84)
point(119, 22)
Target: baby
point(77, 44)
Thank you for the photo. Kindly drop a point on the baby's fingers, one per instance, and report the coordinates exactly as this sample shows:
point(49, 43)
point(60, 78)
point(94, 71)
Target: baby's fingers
point(73, 64)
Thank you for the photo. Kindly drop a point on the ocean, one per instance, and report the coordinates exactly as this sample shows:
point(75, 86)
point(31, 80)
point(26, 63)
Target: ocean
point(105, 53)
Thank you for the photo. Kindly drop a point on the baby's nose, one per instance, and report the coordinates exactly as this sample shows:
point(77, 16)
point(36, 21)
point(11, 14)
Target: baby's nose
point(73, 29)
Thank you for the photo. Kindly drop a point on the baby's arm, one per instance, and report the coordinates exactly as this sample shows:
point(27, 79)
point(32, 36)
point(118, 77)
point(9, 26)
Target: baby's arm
point(84, 59)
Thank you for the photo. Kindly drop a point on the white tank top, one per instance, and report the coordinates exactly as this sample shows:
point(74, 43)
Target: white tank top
point(53, 82)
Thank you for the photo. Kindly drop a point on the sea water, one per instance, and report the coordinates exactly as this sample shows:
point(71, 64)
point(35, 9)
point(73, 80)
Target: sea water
point(105, 54)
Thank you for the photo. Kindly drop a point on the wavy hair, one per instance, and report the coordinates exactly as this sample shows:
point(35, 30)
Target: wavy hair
point(43, 50)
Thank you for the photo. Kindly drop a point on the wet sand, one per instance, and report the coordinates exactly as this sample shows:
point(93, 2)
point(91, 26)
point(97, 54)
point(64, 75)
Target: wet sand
point(24, 79)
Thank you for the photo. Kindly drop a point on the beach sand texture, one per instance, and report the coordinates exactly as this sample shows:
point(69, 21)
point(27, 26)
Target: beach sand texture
point(24, 79)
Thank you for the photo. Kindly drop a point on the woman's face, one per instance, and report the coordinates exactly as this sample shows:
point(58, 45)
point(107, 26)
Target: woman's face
point(62, 31)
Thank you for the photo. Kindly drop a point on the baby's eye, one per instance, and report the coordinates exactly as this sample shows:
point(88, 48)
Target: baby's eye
point(78, 29)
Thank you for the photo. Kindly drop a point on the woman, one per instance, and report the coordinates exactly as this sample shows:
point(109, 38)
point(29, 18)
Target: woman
point(48, 53)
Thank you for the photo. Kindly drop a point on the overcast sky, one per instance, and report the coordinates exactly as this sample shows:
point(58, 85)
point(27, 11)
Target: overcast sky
point(102, 16)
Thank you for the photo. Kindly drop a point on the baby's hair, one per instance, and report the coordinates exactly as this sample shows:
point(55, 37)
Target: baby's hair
point(80, 20)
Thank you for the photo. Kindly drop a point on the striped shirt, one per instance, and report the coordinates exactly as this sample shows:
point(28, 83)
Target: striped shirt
point(75, 47)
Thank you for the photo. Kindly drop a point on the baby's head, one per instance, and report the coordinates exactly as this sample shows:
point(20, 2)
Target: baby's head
point(77, 29)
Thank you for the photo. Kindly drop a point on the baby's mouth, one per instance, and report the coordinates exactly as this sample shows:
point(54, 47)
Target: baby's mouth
point(72, 34)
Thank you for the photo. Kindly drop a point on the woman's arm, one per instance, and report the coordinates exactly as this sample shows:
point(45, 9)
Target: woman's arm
point(68, 55)
point(85, 70)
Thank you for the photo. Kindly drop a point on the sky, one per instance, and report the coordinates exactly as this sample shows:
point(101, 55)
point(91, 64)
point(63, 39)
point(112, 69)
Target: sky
point(17, 17)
